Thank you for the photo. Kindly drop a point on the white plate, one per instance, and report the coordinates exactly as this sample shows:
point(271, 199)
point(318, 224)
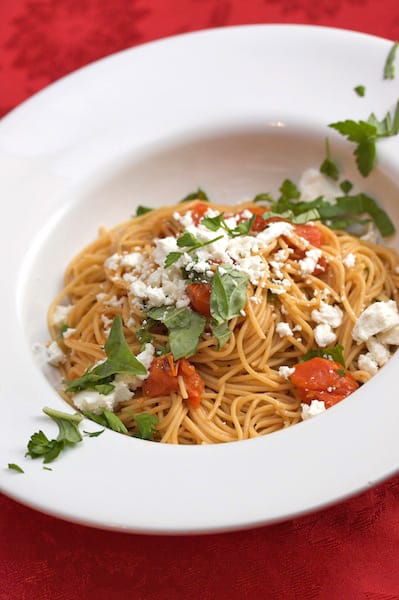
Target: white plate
point(235, 111)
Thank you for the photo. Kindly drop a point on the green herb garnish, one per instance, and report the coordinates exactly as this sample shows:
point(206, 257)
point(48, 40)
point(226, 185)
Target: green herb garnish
point(365, 134)
point(360, 90)
point(189, 241)
point(145, 425)
point(335, 354)
point(198, 195)
point(106, 419)
point(185, 328)
point(341, 372)
point(142, 210)
point(93, 433)
point(68, 425)
point(217, 222)
point(120, 359)
point(389, 67)
point(328, 166)
point(289, 190)
point(346, 186)
point(15, 467)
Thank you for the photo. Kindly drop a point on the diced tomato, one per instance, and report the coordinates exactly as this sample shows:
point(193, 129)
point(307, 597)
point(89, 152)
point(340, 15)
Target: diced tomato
point(193, 382)
point(162, 379)
point(322, 379)
point(314, 236)
point(198, 210)
point(200, 297)
point(260, 223)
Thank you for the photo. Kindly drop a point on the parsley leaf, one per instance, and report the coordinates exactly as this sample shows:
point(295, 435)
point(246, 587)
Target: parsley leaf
point(364, 135)
point(289, 190)
point(120, 359)
point(171, 258)
point(142, 210)
point(187, 240)
point(217, 222)
point(68, 425)
point(360, 90)
point(228, 294)
point(198, 195)
point(389, 67)
point(264, 197)
point(213, 223)
point(185, 328)
point(15, 467)
point(335, 354)
point(146, 425)
point(346, 186)
point(328, 166)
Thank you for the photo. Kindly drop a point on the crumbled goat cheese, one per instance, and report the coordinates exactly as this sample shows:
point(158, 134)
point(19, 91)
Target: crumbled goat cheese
point(60, 314)
point(390, 336)
point(255, 299)
point(376, 318)
point(106, 323)
point(378, 351)
point(313, 184)
point(324, 335)
point(70, 331)
point(308, 264)
point(286, 372)
point(133, 259)
point(349, 260)
point(112, 263)
point(92, 401)
point(55, 355)
point(315, 408)
point(329, 314)
point(131, 322)
point(366, 363)
point(283, 329)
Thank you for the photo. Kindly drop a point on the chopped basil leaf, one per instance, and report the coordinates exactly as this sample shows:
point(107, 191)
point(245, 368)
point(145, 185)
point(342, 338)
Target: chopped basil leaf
point(360, 90)
point(185, 328)
point(335, 354)
point(120, 359)
point(143, 334)
point(389, 67)
point(47, 469)
point(15, 467)
point(198, 195)
point(146, 425)
point(68, 425)
point(346, 186)
point(304, 217)
point(143, 210)
point(228, 294)
point(93, 433)
point(106, 419)
point(221, 333)
point(40, 446)
point(328, 166)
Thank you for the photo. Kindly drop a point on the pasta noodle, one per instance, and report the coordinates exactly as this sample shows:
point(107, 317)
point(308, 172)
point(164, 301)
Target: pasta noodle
point(246, 393)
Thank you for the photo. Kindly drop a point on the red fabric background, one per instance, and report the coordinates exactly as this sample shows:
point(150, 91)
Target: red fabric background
point(347, 551)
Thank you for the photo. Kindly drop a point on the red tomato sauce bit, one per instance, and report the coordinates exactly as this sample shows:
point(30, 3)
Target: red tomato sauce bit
point(200, 297)
point(198, 209)
point(322, 379)
point(163, 379)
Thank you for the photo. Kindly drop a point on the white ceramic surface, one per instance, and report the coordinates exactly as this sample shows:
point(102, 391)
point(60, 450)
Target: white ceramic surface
point(235, 111)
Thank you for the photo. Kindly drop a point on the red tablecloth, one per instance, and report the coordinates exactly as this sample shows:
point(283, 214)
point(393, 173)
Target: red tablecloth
point(349, 551)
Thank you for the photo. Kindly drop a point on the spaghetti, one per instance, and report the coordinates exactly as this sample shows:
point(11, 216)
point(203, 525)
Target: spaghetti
point(306, 286)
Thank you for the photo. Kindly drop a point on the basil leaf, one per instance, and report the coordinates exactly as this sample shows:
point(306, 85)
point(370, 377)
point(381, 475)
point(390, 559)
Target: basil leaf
point(221, 333)
point(228, 294)
point(146, 425)
point(93, 433)
point(143, 334)
point(389, 67)
point(68, 425)
point(120, 359)
point(114, 422)
point(142, 210)
point(185, 328)
point(198, 195)
point(309, 215)
point(335, 354)
point(15, 467)
point(360, 90)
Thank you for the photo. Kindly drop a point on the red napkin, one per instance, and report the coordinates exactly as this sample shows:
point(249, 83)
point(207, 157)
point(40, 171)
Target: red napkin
point(349, 551)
